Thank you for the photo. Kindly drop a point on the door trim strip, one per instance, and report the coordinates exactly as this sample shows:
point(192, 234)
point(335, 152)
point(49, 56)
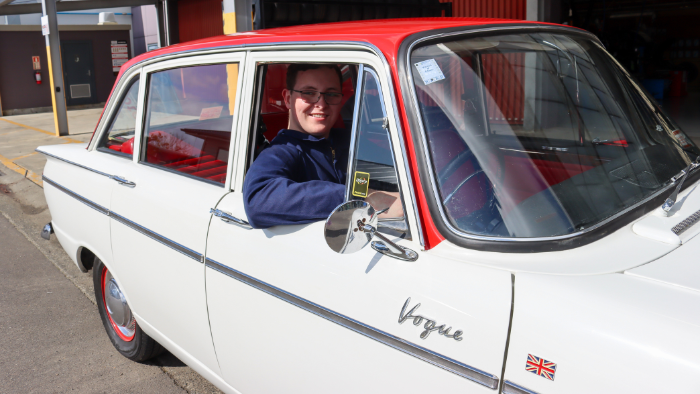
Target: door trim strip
point(99, 208)
point(512, 388)
point(446, 363)
point(157, 237)
point(135, 226)
point(73, 163)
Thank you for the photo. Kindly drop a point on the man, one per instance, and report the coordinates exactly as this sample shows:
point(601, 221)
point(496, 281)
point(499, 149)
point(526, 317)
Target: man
point(300, 177)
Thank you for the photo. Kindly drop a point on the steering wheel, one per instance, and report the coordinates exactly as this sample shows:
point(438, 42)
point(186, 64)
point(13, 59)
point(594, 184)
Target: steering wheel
point(486, 218)
point(462, 158)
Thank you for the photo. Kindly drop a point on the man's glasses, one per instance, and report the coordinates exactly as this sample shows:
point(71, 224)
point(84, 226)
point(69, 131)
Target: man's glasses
point(312, 96)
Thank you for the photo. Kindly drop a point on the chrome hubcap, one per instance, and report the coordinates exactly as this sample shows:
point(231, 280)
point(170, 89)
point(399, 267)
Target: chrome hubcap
point(117, 307)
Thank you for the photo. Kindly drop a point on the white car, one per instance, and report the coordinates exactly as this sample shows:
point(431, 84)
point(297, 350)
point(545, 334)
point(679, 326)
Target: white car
point(533, 254)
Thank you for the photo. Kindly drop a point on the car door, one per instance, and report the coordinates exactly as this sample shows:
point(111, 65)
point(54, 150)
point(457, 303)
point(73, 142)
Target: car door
point(161, 211)
point(290, 315)
point(78, 182)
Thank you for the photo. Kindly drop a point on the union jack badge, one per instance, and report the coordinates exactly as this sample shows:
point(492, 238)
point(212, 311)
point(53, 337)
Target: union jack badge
point(540, 366)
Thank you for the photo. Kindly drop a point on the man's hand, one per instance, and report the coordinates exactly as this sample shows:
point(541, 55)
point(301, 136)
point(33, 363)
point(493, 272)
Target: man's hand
point(380, 200)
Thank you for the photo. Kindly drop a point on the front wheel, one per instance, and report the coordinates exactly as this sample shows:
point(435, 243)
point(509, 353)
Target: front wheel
point(120, 324)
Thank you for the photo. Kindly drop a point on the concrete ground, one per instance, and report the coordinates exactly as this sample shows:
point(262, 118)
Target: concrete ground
point(53, 339)
point(21, 134)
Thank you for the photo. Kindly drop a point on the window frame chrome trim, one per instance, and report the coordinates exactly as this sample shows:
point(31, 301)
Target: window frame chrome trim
point(353, 133)
point(73, 163)
point(319, 45)
point(354, 141)
point(99, 208)
point(426, 153)
point(114, 99)
point(436, 359)
point(114, 112)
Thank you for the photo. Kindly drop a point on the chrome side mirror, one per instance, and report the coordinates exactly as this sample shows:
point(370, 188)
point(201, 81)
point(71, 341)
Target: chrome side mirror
point(353, 225)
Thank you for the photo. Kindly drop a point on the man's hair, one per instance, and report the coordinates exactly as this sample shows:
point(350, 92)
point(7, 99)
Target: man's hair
point(295, 68)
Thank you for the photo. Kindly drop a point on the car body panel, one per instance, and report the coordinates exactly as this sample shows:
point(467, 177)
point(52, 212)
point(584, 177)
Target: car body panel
point(607, 334)
point(678, 268)
point(77, 224)
point(617, 252)
point(365, 286)
point(159, 247)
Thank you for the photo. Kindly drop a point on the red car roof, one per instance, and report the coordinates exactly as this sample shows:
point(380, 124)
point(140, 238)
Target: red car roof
point(386, 34)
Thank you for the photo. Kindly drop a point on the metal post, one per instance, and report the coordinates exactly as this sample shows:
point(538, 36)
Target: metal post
point(166, 23)
point(244, 15)
point(533, 10)
point(53, 51)
point(229, 11)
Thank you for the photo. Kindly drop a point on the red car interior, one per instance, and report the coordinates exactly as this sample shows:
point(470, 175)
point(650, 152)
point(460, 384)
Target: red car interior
point(168, 150)
point(522, 175)
point(274, 113)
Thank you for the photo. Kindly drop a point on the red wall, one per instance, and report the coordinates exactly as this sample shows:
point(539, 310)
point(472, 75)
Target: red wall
point(509, 9)
point(199, 19)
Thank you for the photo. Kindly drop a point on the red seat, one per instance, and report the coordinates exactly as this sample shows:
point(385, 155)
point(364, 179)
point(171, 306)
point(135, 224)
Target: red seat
point(164, 148)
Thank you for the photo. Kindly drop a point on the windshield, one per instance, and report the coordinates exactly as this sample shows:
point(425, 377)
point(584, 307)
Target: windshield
point(539, 134)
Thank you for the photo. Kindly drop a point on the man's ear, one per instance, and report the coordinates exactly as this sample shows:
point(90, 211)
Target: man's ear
point(287, 97)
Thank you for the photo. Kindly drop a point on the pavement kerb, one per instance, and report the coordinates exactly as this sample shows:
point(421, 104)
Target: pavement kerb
point(29, 174)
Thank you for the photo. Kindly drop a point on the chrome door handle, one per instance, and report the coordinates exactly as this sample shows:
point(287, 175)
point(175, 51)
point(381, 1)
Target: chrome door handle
point(226, 217)
point(122, 181)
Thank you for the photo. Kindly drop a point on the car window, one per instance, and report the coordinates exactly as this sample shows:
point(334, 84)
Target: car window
point(373, 169)
point(189, 117)
point(119, 138)
point(538, 134)
point(371, 159)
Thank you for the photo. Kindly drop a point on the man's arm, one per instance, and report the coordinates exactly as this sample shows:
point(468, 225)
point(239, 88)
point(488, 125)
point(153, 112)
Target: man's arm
point(271, 196)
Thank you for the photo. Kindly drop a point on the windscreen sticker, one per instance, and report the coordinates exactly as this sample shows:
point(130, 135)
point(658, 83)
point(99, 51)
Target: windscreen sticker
point(681, 138)
point(210, 113)
point(429, 71)
point(360, 184)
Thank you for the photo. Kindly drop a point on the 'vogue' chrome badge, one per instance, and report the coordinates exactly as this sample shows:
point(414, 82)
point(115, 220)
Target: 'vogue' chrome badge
point(429, 326)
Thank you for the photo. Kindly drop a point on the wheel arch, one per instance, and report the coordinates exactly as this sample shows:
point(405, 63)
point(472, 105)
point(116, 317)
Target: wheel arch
point(85, 258)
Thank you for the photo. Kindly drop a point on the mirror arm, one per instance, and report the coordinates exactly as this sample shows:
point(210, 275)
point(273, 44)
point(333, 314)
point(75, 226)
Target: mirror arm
point(386, 246)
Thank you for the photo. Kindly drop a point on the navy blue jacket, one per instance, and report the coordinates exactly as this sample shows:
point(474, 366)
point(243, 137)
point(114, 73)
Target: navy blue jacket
point(297, 179)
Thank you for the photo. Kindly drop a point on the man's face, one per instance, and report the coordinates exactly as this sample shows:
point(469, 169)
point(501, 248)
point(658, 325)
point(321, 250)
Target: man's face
point(313, 118)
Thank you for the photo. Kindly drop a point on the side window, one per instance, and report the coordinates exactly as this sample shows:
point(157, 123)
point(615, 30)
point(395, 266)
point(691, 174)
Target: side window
point(373, 171)
point(189, 117)
point(119, 138)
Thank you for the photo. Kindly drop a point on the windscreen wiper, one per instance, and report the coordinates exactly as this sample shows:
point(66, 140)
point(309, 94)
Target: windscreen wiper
point(671, 200)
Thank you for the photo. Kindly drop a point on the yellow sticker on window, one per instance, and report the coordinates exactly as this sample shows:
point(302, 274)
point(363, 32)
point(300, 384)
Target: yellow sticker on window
point(360, 184)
